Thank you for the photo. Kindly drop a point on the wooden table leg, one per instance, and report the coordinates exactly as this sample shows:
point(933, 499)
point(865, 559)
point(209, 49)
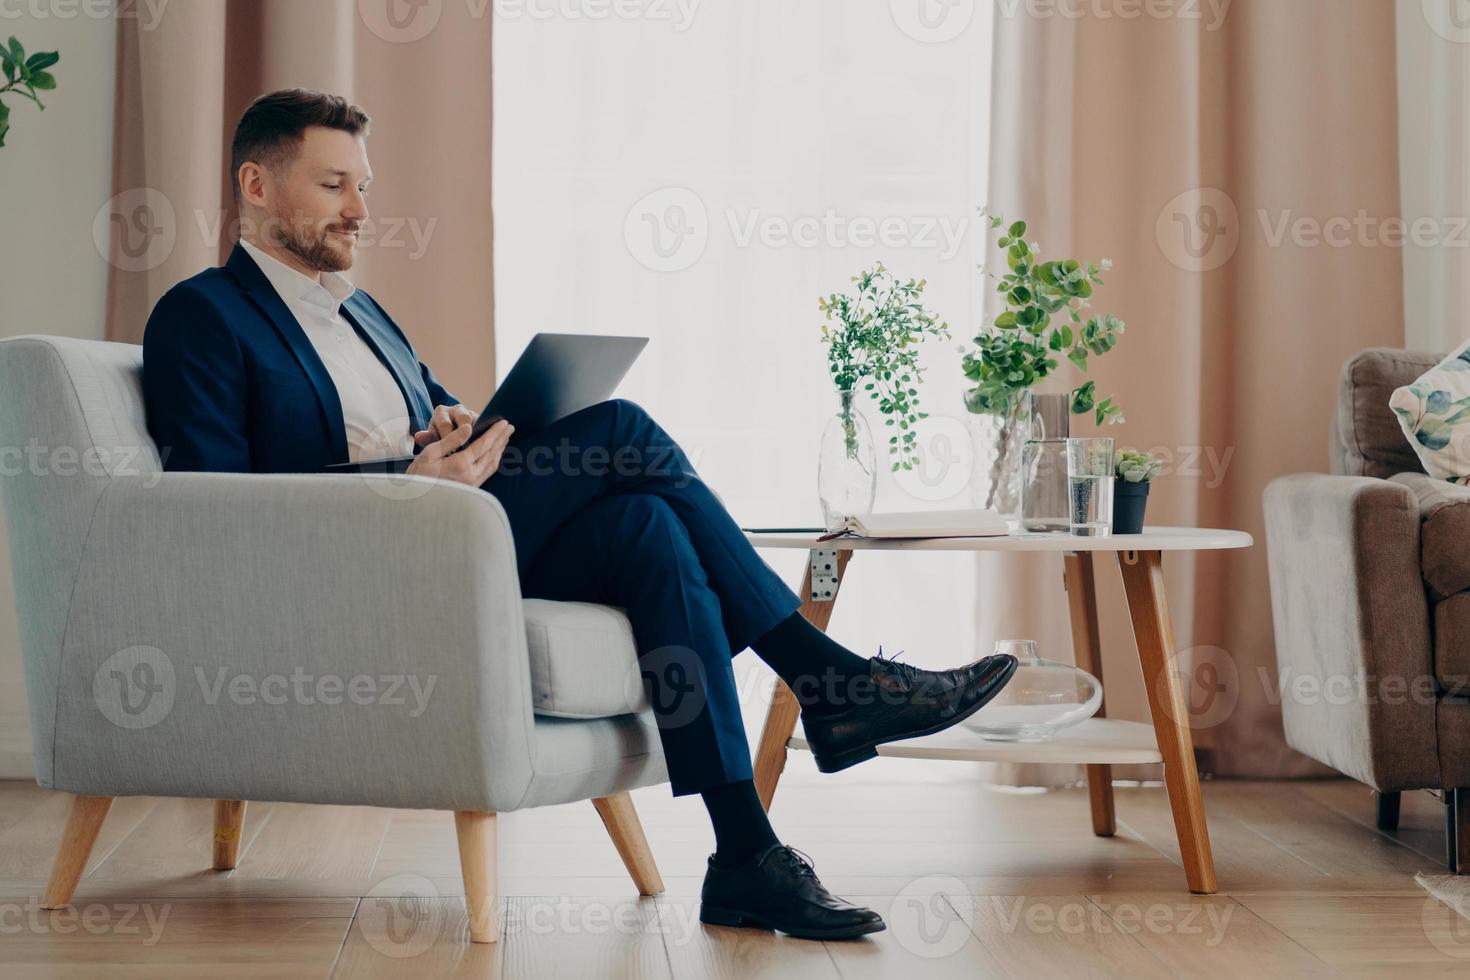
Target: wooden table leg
point(818, 593)
point(1087, 651)
point(1143, 580)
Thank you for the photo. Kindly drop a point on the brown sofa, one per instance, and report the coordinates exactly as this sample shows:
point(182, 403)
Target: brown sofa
point(1370, 596)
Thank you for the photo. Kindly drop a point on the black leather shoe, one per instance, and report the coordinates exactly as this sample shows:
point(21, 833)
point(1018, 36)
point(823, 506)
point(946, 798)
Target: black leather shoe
point(777, 889)
point(901, 701)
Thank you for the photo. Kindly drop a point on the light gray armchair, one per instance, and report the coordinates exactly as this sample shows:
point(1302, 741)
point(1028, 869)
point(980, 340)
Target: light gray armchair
point(306, 638)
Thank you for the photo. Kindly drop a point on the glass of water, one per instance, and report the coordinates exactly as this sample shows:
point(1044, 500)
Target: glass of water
point(1090, 486)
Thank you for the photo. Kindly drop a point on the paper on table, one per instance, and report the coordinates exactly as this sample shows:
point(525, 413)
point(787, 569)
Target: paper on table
point(922, 524)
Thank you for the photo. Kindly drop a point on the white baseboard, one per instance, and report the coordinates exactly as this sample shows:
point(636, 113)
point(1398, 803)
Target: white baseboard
point(16, 759)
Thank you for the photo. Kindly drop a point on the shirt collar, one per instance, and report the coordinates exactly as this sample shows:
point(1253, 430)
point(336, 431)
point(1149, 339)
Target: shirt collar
point(328, 294)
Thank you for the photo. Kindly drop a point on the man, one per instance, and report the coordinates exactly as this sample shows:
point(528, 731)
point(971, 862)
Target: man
point(276, 363)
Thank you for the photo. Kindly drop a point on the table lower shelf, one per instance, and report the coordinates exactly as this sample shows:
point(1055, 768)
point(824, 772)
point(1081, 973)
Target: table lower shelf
point(1097, 741)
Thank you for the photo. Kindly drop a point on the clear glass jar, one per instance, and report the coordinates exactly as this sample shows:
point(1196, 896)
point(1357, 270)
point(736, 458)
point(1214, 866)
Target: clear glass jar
point(847, 466)
point(1042, 698)
point(1044, 465)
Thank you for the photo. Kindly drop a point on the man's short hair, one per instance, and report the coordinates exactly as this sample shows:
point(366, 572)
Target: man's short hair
point(269, 132)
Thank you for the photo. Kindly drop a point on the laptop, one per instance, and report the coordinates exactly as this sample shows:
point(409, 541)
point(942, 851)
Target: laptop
point(557, 374)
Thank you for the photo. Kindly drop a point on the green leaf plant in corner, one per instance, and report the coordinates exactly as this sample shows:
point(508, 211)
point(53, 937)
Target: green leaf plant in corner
point(24, 76)
point(1043, 321)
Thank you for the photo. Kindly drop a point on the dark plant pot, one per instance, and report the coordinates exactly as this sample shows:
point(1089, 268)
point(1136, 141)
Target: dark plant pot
point(1129, 500)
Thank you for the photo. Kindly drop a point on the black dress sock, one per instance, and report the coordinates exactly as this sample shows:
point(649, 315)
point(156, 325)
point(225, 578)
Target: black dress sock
point(742, 829)
point(816, 667)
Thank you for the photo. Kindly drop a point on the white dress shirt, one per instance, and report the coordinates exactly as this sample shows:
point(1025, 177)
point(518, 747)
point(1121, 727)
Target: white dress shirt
point(373, 410)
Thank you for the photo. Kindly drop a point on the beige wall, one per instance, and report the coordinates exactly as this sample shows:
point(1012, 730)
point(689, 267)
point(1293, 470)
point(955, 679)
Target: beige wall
point(54, 176)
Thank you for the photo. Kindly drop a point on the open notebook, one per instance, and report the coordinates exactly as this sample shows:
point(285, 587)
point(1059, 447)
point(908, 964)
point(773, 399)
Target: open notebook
point(922, 524)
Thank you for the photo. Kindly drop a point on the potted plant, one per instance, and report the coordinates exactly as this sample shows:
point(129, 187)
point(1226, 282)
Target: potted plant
point(1042, 322)
point(874, 342)
point(1135, 473)
point(24, 76)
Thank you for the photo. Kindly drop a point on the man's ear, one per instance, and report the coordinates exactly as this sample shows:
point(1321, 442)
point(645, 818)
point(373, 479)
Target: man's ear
point(252, 178)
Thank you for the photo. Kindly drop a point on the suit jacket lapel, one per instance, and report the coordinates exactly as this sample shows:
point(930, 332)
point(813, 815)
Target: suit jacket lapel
point(264, 295)
point(360, 313)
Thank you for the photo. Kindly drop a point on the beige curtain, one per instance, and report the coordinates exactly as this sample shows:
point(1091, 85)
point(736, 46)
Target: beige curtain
point(1199, 154)
point(422, 71)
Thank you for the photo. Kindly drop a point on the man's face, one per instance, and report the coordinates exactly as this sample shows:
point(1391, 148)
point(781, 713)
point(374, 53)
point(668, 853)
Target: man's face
point(316, 205)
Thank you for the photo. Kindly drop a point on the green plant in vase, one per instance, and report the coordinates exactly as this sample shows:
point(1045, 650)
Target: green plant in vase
point(872, 335)
point(878, 330)
point(1043, 321)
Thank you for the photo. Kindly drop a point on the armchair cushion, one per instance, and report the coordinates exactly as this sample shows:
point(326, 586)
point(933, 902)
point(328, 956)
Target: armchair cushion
point(1452, 644)
point(1444, 551)
point(1367, 439)
point(583, 660)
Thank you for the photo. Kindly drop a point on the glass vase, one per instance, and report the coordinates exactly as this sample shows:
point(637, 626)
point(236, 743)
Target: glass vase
point(847, 466)
point(998, 441)
point(1042, 698)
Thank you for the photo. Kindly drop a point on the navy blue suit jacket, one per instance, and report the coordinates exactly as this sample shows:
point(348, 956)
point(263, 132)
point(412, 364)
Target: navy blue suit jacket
point(231, 383)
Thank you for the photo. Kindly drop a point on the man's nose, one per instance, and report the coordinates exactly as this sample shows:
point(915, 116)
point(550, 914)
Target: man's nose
point(356, 209)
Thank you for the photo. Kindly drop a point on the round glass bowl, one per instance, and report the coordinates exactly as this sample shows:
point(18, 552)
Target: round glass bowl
point(1042, 698)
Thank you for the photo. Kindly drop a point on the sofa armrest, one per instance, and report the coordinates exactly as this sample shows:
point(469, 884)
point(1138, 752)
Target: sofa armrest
point(315, 638)
point(1352, 627)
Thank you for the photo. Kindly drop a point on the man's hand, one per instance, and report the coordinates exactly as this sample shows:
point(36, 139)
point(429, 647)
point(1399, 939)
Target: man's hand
point(474, 463)
point(444, 421)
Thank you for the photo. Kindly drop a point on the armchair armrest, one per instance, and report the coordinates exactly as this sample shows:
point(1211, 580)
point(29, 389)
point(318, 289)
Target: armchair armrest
point(313, 638)
point(1352, 627)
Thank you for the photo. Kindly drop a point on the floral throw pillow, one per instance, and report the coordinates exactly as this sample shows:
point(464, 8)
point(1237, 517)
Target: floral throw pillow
point(1434, 413)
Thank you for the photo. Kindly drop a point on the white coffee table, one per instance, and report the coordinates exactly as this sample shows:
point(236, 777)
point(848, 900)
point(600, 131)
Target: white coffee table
point(1100, 742)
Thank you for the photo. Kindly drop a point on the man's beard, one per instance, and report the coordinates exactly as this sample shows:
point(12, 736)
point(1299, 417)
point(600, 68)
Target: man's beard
point(313, 246)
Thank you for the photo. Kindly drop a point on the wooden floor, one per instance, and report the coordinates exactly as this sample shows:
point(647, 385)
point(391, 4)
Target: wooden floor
point(974, 882)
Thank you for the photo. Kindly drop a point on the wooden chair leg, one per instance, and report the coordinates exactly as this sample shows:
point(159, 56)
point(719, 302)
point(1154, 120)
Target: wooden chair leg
point(82, 826)
point(1143, 580)
point(1388, 810)
point(476, 832)
point(1087, 651)
point(229, 820)
point(784, 710)
point(623, 826)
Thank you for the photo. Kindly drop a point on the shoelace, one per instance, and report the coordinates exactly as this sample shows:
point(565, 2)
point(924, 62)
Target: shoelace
point(799, 861)
point(906, 673)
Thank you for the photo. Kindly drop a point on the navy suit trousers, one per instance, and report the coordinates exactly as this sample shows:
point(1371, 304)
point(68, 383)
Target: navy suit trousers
point(605, 507)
